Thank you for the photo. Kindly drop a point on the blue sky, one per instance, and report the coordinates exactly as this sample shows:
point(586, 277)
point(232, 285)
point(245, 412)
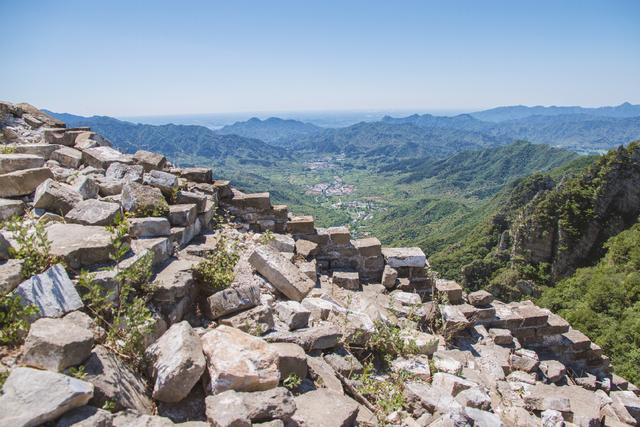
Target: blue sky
point(178, 57)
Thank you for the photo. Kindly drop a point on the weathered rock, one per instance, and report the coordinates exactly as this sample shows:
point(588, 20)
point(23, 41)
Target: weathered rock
point(474, 397)
point(552, 370)
point(80, 245)
point(83, 320)
point(293, 314)
point(190, 198)
point(227, 409)
point(10, 275)
point(143, 200)
point(68, 157)
point(277, 403)
point(31, 397)
point(292, 360)
point(161, 248)
point(417, 366)
point(325, 408)
point(86, 186)
point(323, 374)
point(232, 300)
point(480, 298)
point(347, 280)
point(164, 181)
point(178, 362)
point(102, 157)
point(449, 289)
point(239, 361)
point(306, 248)
point(320, 337)
point(501, 336)
point(56, 197)
point(10, 208)
point(389, 277)
point(23, 182)
point(149, 227)
point(283, 243)
point(626, 406)
point(15, 162)
point(93, 212)
point(115, 382)
point(182, 215)
point(56, 344)
point(281, 273)
point(124, 172)
point(542, 397)
point(404, 257)
point(52, 292)
point(86, 416)
point(203, 175)
point(130, 418)
point(524, 360)
point(150, 161)
point(255, 321)
point(300, 224)
point(454, 321)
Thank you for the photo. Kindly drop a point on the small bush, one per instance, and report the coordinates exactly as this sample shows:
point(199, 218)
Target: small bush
point(386, 393)
point(387, 342)
point(33, 246)
point(14, 319)
point(216, 271)
point(292, 381)
point(7, 149)
point(266, 237)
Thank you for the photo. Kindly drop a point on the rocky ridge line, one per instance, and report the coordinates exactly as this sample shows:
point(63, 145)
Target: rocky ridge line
point(295, 338)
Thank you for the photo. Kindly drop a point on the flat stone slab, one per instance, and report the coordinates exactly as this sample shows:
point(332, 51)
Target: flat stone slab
point(56, 197)
point(15, 162)
point(149, 227)
point(10, 208)
point(80, 245)
point(325, 408)
point(93, 212)
point(32, 397)
point(10, 275)
point(23, 182)
point(102, 157)
point(281, 272)
point(52, 292)
point(404, 257)
point(68, 157)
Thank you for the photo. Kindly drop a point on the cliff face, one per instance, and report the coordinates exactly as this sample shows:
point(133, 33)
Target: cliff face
point(135, 292)
point(567, 226)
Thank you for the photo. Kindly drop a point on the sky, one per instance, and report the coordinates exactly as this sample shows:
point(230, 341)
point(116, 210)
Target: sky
point(135, 58)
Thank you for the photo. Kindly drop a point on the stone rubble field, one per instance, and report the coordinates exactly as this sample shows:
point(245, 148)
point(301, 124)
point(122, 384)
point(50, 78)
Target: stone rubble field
point(153, 295)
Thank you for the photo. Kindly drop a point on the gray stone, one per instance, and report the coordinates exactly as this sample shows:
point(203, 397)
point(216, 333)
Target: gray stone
point(501, 336)
point(542, 397)
point(281, 273)
point(451, 384)
point(292, 360)
point(480, 298)
point(232, 300)
point(227, 409)
point(52, 292)
point(56, 197)
point(68, 157)
point(202, 175)
point(454, 320)
point(319, 337)
point(323, 374)
point(283, 243)
point(114, 381)
point(93, 212)
point(102, 157)
point(56, 344)
point(109, 188)
point(130, 418)
point(293, 314)
point(188, 198)
point(150, 161)
point(164, 181)
point(182, 215)
point(86, 186)
point(325, 408)
point(161, 248)
point(143, 199)
point(417, 366)
point(149, 227)
point(306, 248)
point(626, 405)
point(124, 172)
point(450, 289)
point(178, 362)
point(86, 416)
point(255, 321)
point(404, 257)
point(389, 277)
point(482, 418)
point(10, 275)
point(524, 360)
point(32, 397)
point(42, 150)
point(23, 182)
point(347, 280)
point(15, 162)
point(239, 361)
point(474, 398)
point(552, 370)
point(10, 208)
point(259, 406)
point(80, 245)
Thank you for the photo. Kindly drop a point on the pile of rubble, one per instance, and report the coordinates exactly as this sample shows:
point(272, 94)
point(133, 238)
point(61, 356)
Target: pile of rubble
point(312, 324)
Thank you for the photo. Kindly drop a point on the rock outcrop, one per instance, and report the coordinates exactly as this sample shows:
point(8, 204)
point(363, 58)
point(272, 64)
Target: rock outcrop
point(238, 313)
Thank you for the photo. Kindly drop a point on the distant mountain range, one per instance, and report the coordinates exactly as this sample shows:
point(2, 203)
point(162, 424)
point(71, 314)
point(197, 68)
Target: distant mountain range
point(270, 130)
point(514, 112)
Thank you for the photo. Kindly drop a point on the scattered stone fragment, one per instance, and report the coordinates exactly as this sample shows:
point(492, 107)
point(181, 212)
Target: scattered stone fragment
point(80, 245)
point(52, 292)
point(281, 273)
point(124, 172)
point(56, 197)
point(325, 408)
point(306, 248)
point(292, 359)
point(93, 212)
point(232, 300)
point(344, 362)
point(115, 382)
point(404, 257)
point(149, 227)
point(323, 374)
point(182, 215)
point(191, 198)
point(10, 208)
point(480, 298)
point(283, 242)
point(203, 175)
point(102, 157)
point(239, 361)
point(451, 384)
point(31, 397)
point(15, 162)
point(178, 362)
point(10, 275)
point(389, 277)
point(524, 360)
point(56, 344)
point(501, 336)
point(347, 280)
point(164, 181)
point(450, 290)
point(143, 200)
point(23, 182)
point(417, 366)
point(293, 314)
point(474, 397)
point(68, 157)
point(150, 161)
point(86, 186)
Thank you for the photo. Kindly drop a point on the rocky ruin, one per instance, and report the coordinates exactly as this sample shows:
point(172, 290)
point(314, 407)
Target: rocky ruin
point(308, 327)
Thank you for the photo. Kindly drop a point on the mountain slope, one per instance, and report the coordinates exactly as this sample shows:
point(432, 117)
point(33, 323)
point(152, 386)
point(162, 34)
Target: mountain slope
point(514, 112)
point(179, 142)
point(270, 130)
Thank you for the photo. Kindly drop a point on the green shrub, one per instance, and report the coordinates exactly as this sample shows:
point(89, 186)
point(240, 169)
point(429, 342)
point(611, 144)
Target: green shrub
point(216, 271)
point(14, 319)
point(292, 381)
point(386, 393)
point(33, 246)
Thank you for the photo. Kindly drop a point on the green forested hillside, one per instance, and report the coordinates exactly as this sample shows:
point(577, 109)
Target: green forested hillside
point(604, 302)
